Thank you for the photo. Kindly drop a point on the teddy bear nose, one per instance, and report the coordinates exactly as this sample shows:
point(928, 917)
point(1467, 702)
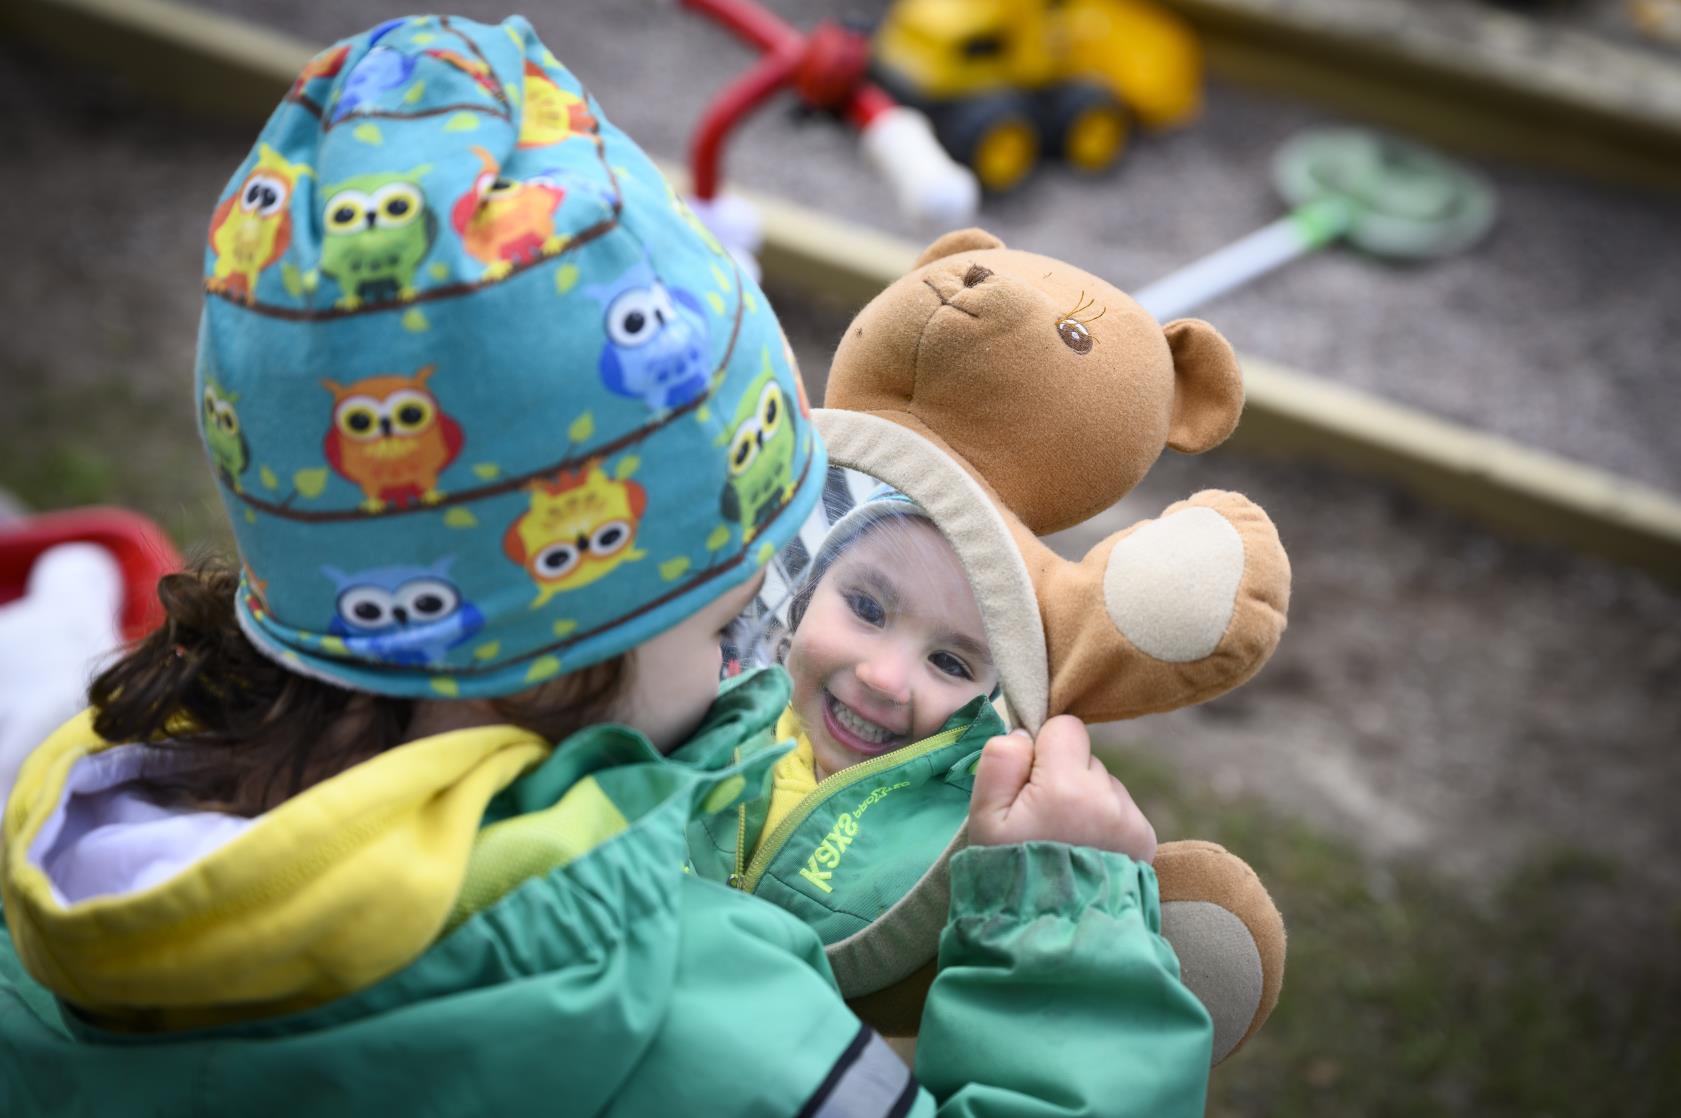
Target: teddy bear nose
point(976, 275)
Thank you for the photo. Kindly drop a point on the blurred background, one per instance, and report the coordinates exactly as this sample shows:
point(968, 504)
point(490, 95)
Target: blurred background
point(1458, 775)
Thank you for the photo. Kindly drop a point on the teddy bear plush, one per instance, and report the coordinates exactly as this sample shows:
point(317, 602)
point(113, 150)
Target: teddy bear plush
point(1012, 395)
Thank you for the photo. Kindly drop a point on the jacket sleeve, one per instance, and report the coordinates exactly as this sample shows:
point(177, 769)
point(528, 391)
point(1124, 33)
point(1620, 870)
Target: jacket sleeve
point(1056, 993)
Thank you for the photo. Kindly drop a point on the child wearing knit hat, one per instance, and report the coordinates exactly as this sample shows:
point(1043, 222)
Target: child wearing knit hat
point(396, 813)
point(883, 643)
point(885, 639)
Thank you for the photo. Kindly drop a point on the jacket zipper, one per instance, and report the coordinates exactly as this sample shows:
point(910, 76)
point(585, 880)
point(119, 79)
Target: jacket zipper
point(738, 877)
point(748, 880)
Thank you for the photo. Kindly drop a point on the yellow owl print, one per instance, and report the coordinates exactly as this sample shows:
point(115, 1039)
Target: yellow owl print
point(551, 114)
point(390, 436)
point(581, 526)
point(253, 227)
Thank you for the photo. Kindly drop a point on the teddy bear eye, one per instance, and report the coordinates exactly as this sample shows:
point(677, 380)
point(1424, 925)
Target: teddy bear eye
point(1074, 335)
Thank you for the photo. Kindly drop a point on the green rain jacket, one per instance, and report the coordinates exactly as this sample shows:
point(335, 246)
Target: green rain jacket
point(587, 970)
point(860, 840)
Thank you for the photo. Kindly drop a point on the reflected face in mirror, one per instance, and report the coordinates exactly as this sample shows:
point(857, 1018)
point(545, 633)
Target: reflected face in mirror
point(887, 642)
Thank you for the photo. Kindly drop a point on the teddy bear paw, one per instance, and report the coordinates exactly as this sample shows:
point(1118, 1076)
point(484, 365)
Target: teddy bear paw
point(1227, 933)
point(1170, 587)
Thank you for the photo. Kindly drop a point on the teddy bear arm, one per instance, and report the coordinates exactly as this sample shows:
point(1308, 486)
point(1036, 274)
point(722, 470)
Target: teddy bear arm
point(1166, 613)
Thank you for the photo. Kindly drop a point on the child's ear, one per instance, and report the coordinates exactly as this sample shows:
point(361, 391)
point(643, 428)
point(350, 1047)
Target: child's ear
point(1207, 386)
point(958, 240)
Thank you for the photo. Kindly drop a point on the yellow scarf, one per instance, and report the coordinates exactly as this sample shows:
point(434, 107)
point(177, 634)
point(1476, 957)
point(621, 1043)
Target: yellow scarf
point(323, 895)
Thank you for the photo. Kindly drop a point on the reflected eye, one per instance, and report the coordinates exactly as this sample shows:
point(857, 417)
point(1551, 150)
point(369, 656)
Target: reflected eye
point(263, 194)
point(410, 412)
point(396, 204)
point(744, 447)
point(770, 408)
point(951, 665)
point(1074, 335)
point(556, 561)
point(866, 609)
point(358, 417)
point(347, 212)
point(610, 538)
point(636, 316)
point(428, 599)
point(366, 607)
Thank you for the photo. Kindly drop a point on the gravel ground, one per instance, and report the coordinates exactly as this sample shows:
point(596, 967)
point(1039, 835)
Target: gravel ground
point(1559, 332)
point(1617, 21)
point(1442, 694)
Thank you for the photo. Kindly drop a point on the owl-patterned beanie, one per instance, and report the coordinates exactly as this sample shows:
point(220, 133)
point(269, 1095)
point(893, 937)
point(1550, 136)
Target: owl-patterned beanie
point(486, 402)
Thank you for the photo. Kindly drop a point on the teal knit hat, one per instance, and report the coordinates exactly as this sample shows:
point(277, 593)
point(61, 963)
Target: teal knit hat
point(486, 402)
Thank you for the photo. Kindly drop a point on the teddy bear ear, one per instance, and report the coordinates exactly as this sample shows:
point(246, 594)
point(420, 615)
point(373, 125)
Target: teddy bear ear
point(958, 240)
point(1207, 386)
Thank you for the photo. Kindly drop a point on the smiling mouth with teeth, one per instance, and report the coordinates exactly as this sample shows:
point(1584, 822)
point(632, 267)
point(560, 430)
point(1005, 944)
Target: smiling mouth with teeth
point(853, 731)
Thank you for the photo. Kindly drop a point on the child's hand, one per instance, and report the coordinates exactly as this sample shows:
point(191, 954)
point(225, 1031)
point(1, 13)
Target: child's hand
point(1053, 789)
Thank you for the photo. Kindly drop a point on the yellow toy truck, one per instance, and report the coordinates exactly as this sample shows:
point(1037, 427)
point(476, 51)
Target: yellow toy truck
point(1005, 81)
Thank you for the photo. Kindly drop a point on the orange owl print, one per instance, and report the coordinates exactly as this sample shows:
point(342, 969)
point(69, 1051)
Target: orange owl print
point(580, 527)
point(391, 438)
point(504, 222)
point(327, 64)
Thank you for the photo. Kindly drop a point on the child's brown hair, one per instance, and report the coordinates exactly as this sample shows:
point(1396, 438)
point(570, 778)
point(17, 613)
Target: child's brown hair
point(248, 733)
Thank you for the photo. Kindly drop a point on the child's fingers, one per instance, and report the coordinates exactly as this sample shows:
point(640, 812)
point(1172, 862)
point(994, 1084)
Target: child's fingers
point(1006, 764)
point(1138, 833)
point(1063, 747)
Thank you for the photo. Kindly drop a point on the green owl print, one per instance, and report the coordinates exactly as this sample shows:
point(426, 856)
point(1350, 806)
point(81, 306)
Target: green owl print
point(761, 452)
point(222, 436)
point(377, 229)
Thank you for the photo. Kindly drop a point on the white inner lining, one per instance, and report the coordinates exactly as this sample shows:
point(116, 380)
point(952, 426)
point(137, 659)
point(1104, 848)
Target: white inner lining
point(105, 839)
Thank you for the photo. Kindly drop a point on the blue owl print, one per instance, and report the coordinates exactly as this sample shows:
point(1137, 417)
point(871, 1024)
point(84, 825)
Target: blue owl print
point(381, 69)
point(381, 30)
point(402, 614)
point(656, 341)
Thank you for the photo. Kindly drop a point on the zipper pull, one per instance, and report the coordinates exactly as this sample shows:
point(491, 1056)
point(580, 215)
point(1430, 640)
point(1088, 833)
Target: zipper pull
point(738, 879)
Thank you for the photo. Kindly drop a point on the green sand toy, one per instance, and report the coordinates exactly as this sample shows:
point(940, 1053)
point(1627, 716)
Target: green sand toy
point(1388, 197)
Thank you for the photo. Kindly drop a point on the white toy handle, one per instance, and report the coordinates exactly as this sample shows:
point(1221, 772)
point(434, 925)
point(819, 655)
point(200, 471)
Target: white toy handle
point(932, 189)
point(1219, 272)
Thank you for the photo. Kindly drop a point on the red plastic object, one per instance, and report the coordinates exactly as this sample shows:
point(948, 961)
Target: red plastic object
point(141, 549)
point(834, 65)
point(827, 69)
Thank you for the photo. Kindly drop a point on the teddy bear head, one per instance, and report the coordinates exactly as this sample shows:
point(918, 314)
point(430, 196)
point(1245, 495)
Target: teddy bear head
point(944, 350)
point(1012, 395)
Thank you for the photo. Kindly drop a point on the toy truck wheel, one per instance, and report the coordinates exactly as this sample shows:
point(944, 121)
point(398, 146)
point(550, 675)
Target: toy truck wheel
point(1085, 126)
point(994, 134)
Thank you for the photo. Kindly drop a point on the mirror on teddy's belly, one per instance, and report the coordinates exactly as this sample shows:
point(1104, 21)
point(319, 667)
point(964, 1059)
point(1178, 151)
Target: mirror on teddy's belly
point(870, 612)
point(876, 624)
